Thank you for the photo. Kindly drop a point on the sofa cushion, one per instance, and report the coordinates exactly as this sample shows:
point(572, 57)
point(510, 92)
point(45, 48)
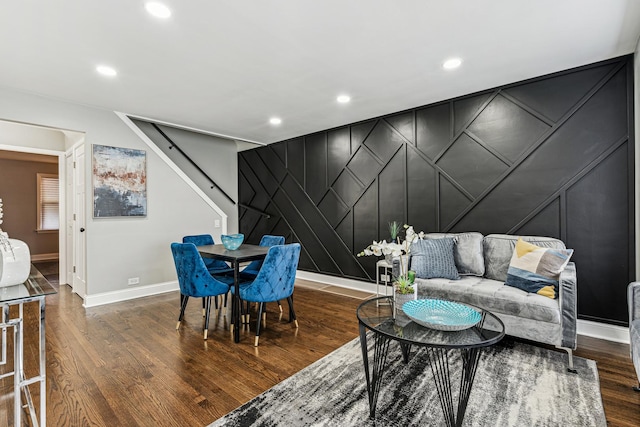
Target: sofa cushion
point(492, 295)
point(535, 269)
point(468, 252)
point(434, 258)
point(498, 249)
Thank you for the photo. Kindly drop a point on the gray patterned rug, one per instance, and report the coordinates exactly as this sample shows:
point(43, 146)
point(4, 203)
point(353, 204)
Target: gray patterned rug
point(516, 384)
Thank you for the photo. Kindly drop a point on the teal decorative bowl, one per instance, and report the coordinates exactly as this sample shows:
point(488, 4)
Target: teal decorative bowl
point(441, 315)
point(232, 241)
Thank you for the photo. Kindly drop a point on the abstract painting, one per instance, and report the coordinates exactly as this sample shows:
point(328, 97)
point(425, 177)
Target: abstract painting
point(119, 182)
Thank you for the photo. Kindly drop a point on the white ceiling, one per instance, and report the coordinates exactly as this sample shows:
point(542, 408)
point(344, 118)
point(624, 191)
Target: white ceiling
point(228, 66)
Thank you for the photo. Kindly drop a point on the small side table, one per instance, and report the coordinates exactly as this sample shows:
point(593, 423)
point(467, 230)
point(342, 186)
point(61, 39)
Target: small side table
point(35, 288)
point(384, 279)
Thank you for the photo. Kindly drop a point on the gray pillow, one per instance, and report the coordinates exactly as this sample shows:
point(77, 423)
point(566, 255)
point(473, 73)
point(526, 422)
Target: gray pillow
point(434, 258)
point(467, 252)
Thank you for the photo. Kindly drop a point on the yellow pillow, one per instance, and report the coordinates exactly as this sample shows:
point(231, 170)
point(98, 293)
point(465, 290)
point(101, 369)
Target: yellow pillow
point(537, 270)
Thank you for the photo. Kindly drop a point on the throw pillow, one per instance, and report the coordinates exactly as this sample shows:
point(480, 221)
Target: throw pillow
point(434, 258)
point(537, 270)
point(467, 251)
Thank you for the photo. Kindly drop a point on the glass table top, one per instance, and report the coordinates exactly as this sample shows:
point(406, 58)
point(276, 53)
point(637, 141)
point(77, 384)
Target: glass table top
point(377, 314)
point(35, 285)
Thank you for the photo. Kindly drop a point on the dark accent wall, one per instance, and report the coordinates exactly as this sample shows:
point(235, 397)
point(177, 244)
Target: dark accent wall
point(549, 156)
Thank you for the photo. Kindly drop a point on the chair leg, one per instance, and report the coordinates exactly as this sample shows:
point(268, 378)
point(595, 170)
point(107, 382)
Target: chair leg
point(183, 305)
point(280, 306)
point(247, 314)
point(292, 314)
point(636, 388)
point(226, 296)
point(260, 312)
point(207, 301)
point(203, 307)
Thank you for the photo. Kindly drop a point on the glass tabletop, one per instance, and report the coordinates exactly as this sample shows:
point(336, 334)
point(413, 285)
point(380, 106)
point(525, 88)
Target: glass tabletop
point(35, 285)
point(377, 314)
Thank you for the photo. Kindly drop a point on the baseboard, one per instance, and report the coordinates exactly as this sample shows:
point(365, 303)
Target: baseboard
point(337, 281)
point(603, 331)
point(127, 294)
point(588, 328)
point(45, 257)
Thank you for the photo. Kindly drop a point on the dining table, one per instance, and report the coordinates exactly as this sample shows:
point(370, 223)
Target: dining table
point(244, 253)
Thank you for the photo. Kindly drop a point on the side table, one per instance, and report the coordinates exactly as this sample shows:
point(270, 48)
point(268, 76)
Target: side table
point(35, 288)
point(384, 272)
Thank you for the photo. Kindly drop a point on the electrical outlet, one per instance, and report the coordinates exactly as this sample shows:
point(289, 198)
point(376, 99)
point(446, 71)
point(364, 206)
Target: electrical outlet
point(216, 223)
point(134, 280)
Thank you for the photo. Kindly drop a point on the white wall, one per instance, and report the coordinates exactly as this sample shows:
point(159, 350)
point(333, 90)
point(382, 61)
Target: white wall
point(31, 136)
point(216, 156)
point(120, 248)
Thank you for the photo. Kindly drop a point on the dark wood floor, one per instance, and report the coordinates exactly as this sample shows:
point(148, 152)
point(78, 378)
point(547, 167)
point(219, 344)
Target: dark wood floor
point(124, 364)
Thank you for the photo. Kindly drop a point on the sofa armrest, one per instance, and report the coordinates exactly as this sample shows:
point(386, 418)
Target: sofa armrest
point(568, 301)
point(633, 300)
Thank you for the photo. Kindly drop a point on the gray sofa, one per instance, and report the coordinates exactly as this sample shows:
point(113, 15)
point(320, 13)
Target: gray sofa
point(634, 326)
point(482, 262)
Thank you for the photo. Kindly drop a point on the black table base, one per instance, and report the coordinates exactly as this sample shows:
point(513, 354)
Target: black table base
point(440, 367)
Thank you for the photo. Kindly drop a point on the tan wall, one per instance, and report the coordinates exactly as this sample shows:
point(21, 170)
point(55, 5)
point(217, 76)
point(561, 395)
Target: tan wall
point(19, 196)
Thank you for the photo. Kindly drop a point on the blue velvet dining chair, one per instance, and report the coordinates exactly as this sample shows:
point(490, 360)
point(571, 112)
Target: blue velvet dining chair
point(251, 270)
point(267, 240)
point(195, 280)
point(274, 281)
point(215, 266)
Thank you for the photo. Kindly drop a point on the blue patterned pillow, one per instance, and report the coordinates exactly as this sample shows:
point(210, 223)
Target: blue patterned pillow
point(434, 258)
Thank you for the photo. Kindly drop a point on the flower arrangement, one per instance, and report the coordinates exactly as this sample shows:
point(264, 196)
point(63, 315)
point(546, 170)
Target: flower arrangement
point(397, 248)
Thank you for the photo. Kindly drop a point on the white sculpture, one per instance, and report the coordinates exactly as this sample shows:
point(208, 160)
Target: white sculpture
point(15, 259)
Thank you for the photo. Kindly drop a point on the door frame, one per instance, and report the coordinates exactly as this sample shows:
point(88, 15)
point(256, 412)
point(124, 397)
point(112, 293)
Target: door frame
point(62, 208)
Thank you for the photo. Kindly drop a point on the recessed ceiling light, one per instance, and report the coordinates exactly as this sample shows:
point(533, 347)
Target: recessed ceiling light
point(343, 99)
point(275, 120)
point(158, 10)
point(452, 63)
point(106, 71)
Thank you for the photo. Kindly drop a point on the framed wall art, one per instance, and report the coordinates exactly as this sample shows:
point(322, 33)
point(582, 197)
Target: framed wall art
point(119, 177)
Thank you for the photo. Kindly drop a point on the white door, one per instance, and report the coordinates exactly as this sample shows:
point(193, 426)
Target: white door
point(79, 232)
point(69, 196)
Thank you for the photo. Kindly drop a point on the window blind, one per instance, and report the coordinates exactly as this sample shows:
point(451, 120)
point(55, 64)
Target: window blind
point(48, 193)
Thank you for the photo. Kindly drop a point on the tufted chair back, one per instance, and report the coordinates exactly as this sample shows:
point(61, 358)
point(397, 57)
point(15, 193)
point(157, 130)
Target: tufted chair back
point(267, 240)
point(276, 277)
point(213, 265)
point(193, 276)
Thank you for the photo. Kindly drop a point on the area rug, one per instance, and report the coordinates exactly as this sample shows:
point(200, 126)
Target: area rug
point(516, 384)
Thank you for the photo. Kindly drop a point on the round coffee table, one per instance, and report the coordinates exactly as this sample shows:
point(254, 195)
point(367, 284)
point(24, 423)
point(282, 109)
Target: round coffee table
point(378, 315)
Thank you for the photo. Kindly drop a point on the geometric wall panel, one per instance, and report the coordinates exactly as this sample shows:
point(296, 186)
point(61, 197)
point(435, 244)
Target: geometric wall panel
point(383, 141)
point(471, 165)
point(549, 156)
point(467, 108)
point(433, 129)
point(554, 97)
point(507, 128)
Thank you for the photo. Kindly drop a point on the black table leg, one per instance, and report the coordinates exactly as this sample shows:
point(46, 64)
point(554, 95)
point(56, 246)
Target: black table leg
point(374, 379)
point(236, 302)
point(439, 361)
point(406, 350)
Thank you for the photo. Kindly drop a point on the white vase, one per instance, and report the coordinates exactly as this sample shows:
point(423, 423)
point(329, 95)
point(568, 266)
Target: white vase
point(15, 262)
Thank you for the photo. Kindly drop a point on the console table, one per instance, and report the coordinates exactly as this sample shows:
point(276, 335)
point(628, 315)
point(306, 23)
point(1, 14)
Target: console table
point(35, 288)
